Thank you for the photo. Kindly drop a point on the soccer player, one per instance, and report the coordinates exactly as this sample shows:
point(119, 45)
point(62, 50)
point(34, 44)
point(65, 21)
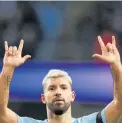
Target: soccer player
point(58, 94)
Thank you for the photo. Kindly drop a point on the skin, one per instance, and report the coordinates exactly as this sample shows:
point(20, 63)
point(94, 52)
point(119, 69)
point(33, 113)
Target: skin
point(13, 58)
point(58, 88)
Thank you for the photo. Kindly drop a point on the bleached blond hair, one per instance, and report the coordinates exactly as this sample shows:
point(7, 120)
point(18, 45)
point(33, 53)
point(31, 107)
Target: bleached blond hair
point(55, 73)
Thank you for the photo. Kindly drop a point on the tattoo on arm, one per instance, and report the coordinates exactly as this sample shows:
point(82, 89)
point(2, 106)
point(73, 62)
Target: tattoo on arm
point(7, 82)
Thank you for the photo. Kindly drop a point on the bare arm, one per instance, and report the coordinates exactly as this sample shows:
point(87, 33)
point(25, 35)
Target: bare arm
point(6, 115)
point(12, 59)
point(110, 55)
point(114, 109)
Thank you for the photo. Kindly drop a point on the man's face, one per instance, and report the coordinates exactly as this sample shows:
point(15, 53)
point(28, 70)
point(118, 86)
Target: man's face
point(58, 95)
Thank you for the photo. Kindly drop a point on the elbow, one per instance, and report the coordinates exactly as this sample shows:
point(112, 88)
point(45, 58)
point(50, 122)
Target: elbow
point(3, 111)
point(118, 105)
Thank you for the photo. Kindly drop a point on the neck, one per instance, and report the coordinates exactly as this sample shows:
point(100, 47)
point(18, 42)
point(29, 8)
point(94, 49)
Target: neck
point(52, 118)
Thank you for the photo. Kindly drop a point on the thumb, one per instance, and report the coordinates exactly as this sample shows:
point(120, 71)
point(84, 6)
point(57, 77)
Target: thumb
point(98, 56)
point(26, 57)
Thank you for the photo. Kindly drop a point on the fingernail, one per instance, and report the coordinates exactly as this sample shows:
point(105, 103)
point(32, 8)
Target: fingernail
point(22, 40)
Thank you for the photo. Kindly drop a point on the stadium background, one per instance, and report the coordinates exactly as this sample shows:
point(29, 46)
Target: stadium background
point(60, 35)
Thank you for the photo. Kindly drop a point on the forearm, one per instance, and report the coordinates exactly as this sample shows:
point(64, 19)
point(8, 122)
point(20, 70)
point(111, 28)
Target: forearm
point(117, 78)
point(114, 109)
point(5, 79)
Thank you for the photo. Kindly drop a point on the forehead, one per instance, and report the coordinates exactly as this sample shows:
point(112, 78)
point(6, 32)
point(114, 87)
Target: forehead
point(57, 81)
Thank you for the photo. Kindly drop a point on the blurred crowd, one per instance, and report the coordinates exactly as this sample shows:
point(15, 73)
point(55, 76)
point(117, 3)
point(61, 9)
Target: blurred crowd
point(60, 30)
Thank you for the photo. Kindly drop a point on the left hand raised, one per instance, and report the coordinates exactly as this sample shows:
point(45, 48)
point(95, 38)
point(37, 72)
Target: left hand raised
point(110, 52)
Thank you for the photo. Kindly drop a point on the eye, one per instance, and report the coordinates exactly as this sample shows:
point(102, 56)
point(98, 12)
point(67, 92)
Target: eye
point(64, 87)
point(51, 88)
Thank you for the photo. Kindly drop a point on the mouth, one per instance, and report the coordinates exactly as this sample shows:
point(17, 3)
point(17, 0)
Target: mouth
point(58, 100)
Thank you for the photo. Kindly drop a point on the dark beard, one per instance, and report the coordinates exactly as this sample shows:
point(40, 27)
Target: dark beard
point(57, 109)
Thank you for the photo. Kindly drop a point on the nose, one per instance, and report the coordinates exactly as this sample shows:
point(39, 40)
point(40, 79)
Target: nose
point(58, 92)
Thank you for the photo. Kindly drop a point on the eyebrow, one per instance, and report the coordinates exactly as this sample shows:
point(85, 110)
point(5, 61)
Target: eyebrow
point(51, 86)
point(64, 85)
point(55, 85)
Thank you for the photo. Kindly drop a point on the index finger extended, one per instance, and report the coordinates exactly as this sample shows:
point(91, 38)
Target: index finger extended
point(21, 46)
point(102, 45)
point(113, 40)
point(6, 45)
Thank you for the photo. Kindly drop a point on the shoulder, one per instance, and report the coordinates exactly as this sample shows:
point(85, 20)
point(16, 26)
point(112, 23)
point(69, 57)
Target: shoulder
point(91, 118)
point(29, 120)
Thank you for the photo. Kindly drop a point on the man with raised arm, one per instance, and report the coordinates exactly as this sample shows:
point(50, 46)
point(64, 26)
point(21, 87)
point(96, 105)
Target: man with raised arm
point(57, 86)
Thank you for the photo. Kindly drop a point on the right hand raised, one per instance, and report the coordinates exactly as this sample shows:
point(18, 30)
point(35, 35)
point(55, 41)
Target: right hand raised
point(13, 56)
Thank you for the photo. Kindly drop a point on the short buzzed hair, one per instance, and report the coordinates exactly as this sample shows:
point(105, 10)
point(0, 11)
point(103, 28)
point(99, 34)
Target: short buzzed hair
point(55, 73)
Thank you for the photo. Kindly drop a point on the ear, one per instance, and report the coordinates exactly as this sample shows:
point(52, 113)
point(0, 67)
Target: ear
point(73, 96)
point(43, 98)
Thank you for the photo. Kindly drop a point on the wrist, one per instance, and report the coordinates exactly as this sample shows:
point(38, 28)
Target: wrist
point(117, 67)
point(8, 68)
